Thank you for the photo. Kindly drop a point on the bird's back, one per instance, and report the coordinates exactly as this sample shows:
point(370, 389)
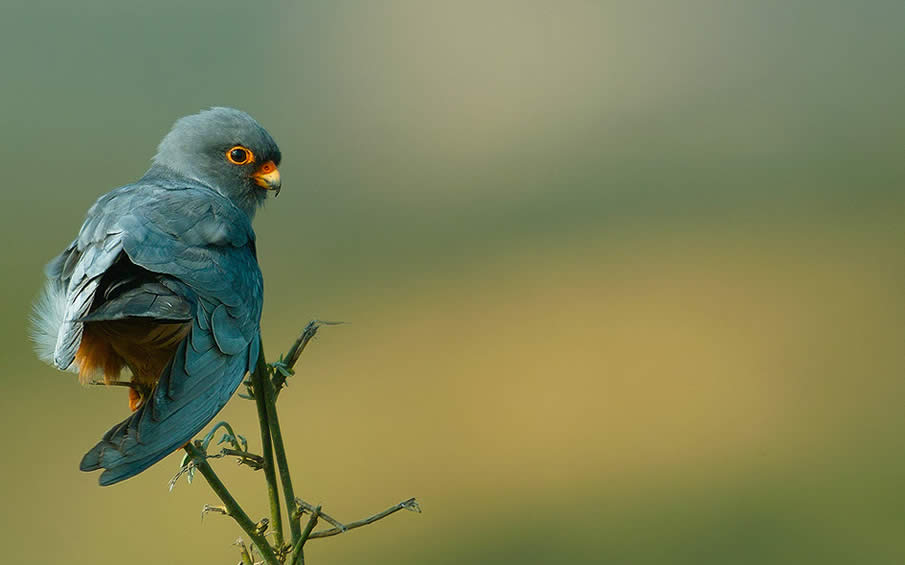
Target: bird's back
point(162, 279)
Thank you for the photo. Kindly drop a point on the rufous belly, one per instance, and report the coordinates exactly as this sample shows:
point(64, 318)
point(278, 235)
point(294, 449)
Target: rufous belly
point(145, 346)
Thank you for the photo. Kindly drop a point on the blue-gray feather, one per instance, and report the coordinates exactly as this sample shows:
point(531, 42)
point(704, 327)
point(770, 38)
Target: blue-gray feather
point(175, 246)
point(207, 248)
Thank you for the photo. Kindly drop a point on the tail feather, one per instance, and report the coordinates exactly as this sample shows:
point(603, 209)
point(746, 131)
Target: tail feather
point(46, 319)
point(185, 399)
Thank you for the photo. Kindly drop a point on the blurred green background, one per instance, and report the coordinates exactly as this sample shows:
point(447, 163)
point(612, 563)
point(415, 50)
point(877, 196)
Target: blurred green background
point(623, 281)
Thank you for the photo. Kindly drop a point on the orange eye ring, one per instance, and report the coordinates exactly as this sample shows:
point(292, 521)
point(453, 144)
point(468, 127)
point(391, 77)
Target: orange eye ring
point(238, 155)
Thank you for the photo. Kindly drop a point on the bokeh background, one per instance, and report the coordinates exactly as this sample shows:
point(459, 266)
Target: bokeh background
point(623, 281)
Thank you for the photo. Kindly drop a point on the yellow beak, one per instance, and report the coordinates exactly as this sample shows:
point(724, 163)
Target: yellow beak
point(268, 177)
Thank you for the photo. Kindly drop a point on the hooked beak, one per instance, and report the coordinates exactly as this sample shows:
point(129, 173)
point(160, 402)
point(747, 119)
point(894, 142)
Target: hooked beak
point(268, 177)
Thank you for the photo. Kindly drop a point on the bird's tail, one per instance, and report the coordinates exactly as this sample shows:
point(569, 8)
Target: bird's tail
point(47, 316)
point(190, 392)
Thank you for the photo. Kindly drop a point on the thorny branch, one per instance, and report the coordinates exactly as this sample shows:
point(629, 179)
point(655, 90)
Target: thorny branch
point(410, 504)
point(259, 380)
point(263, 387)
point(297, 556)
point(232, 508)
point(243, 551)
point(283, 368)
point(256, 462)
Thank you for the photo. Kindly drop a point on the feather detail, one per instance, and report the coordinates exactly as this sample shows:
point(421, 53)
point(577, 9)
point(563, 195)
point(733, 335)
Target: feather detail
point(46, 319)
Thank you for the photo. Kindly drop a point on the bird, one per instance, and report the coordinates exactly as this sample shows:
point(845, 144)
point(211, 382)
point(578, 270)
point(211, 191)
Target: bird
point(163, 280)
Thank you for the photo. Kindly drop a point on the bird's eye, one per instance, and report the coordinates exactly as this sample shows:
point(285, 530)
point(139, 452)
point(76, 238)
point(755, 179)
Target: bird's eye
point(239, 155)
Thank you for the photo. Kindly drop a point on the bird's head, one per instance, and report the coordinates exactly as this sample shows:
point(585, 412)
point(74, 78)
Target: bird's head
point(227, 150)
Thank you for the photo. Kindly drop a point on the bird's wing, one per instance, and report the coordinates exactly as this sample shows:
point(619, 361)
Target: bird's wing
point(153, 296)
point(198, 239)
point(78, 271)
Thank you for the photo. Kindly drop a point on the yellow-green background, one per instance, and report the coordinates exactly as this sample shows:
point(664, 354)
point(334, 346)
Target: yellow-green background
point(623, 281)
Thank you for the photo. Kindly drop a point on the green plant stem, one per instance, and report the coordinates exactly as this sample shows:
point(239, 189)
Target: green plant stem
point(265, 385)
point(245, 458)
point(297, 555)
point(246, 557)
point(261, 383)
point(295, 351)
point(280, 453)
point(409, 504)
point(232, 507)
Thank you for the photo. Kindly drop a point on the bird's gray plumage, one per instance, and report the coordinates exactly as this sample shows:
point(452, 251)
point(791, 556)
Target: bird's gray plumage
point(195, 146)
point(176, 246)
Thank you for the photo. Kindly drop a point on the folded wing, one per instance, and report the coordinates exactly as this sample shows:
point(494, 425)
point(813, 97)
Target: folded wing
point(203, 249)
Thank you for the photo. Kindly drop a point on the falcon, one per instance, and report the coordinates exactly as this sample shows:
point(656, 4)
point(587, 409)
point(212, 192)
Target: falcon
point(163, 280)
